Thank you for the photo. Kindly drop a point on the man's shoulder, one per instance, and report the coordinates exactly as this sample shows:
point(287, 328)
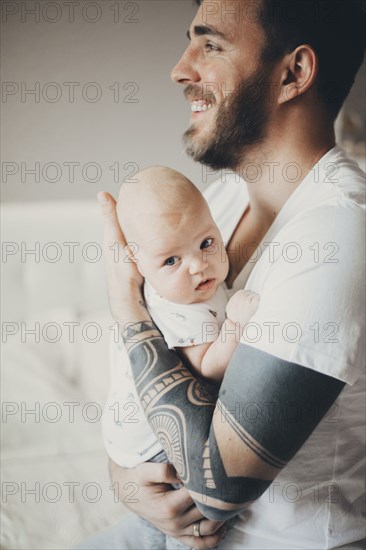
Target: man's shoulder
point(339, 174)
point(330, 200)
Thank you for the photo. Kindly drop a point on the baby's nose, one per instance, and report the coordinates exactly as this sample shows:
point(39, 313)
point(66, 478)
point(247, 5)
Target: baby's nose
point(197, 265)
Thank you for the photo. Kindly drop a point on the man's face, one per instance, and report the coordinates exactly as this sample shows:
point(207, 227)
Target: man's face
point(226, 83)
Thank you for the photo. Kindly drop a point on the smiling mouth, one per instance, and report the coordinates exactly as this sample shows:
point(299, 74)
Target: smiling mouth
point(206, 284)
point(200, 105)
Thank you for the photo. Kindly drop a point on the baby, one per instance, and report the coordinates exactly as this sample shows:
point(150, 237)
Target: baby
point(179, 251)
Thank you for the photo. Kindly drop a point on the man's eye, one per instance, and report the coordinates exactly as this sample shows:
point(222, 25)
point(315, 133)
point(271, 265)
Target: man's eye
point(206, 243)
point(211, 48)
point(171, 261)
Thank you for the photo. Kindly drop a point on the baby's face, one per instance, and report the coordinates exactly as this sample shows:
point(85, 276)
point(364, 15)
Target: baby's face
point(182, 255)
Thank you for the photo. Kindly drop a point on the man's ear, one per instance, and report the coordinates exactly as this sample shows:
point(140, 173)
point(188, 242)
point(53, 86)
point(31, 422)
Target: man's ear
point(299, 74)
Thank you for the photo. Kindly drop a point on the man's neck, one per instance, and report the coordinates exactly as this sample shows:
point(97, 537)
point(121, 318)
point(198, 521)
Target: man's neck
point(275, 168)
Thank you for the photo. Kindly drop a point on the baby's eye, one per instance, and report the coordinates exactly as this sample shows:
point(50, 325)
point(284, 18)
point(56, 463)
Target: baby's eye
point(206, 243)
point(171, 261)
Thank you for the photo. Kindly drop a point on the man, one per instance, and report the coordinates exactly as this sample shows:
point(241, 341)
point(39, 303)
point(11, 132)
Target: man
point(266, 80)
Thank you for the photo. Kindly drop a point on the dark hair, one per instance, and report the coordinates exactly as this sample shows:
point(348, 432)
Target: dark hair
point(334, 28)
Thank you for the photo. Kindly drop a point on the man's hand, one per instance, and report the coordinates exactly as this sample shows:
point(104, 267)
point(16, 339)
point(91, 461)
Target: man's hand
point(171, 511)
point(124, 279)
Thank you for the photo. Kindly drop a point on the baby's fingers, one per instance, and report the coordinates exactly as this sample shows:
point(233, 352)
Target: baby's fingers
point(242, 306)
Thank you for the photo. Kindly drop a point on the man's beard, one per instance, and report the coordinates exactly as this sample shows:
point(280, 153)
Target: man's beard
point(241, 122)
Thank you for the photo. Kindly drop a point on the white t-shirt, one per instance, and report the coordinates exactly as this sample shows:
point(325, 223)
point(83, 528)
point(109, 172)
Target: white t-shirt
point(309, 272)
point(128, 438)
point(317, 500)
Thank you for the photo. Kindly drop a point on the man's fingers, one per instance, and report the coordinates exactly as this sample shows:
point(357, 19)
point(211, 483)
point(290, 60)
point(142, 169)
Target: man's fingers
point(205, 542)
point(155, 472)
point(207, 527)
point(191, 515)
point(107, 203)
point(179, 501)
point(112, 229)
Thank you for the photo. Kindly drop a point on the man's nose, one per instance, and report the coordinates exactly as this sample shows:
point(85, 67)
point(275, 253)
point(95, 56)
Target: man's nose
point(197, 265)
point(185, 71)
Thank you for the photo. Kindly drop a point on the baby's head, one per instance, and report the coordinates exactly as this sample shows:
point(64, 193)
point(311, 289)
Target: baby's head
point(176, 244)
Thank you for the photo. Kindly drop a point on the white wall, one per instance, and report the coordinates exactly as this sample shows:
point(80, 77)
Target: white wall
point(144, 127)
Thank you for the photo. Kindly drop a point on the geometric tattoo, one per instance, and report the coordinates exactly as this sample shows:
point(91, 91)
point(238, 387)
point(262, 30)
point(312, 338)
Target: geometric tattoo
point(227, 449)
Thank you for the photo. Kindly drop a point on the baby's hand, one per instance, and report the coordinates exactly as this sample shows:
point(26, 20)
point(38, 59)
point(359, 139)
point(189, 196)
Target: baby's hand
point(242, 306)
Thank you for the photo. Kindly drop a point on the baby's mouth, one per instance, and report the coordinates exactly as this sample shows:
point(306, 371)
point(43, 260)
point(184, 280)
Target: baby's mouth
point(206, 284)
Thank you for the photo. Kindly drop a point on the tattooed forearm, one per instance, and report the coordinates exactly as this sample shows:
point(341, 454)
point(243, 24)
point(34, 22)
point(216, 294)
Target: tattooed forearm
point(171, 397)
point(226, 458)
point(180, 411)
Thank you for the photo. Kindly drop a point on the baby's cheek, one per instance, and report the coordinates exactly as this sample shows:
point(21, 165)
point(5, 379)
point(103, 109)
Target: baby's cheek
point(169, 289)
point(227, 266)
point(224, 267)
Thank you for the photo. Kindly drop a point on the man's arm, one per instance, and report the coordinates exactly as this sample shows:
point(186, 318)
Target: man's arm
point(225, 459)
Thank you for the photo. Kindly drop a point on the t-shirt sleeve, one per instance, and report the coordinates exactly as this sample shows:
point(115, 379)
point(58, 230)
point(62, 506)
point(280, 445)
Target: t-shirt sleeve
point(310, 281)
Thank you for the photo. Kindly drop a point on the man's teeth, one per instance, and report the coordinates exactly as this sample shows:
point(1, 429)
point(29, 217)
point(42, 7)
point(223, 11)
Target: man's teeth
point(199, 106)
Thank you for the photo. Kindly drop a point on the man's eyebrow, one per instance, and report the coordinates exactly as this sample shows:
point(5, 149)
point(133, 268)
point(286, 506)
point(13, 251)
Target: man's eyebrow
point(201, 30)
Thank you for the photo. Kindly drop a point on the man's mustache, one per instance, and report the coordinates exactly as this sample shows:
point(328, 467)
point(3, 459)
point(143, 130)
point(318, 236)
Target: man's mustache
point(198, 93)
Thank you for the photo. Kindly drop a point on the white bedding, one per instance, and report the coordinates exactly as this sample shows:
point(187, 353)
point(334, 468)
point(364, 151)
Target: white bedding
point(55, 486)
point(45, 375)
